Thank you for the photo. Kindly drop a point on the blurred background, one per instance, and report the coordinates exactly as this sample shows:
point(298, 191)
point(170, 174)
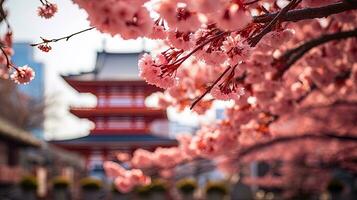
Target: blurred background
point(75, 114)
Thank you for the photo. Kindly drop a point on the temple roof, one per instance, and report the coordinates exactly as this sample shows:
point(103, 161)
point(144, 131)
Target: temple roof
point(8, 131)
point(111, 67)
point(116, 141)
point(118, 111)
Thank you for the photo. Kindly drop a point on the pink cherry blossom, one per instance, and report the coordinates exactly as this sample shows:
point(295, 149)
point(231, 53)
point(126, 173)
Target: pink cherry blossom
point(123, 157)
point(123, 185)
point(236, 49)
point(151, 71)
point(142, 159)
point(179, 40)
point(185, 140)
point(23, 75)
point(113, 169)
point(277, 38)
point(217, 93)
point(167, 157)
point(47, 10)
point(44, 47)
point(129, 19)
point(178, 16)
point(158, 32)
point(208, 6)
point(232, 18)
point(4, 72)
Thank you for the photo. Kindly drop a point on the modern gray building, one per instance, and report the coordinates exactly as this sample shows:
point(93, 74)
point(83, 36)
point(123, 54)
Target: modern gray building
point(24, 55)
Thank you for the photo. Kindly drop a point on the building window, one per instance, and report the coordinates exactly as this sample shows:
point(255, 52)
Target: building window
point(139, 123)
point(102, 101)
point(119, 123)
point(139, 100)
point(120, 101)
point(102, 97)
point(100, 123)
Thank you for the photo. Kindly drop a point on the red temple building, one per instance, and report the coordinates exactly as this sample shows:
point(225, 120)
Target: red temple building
point(122, 121)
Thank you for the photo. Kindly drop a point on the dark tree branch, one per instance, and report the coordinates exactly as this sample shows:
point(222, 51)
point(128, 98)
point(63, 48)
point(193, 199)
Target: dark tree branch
point(254, 40)
point(308, 13)
point(259, 146)
point(2, 11)
point(8, 62)
point(325, 136)
point(251, 2)
point(293, 55)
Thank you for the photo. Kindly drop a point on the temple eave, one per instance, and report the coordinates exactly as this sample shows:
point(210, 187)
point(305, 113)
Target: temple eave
point(79, 84)
point(115, 141)
point(92, 112)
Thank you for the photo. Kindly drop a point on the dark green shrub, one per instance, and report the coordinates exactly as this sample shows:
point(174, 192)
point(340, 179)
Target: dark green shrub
point(216, 187)
point(155, 186)
point(158, 186)
point(60, 182)
point(335, 186)
point(143, 191)
point(186, 185)
point(29, 183)
point(89, 183)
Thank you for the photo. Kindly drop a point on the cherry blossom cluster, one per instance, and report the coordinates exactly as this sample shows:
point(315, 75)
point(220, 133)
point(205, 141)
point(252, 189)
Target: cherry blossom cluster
point(128, 18)
point(125, 180)
point(286, 84)
point(47, 10)
point(23, 75)
point(162, 157)
point(20, 75)
point(44, 47)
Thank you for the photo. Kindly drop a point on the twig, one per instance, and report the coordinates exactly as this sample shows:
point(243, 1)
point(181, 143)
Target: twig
point(251, 2)
point(209, 88)
point(44, 2)
point(307, 13)
point(295, 54)
point(46, 41)
point(8, 63)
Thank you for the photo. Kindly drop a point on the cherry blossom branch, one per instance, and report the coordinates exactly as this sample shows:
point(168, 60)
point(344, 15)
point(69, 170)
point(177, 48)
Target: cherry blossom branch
point(262, 145)
point(254, 40)
point(2, 10)
point(293, 55)
point(3, 16)
point(200, 46)
point(341, 76)
point(8, 63)
point(326, 136)
point(46, 41)
point(251, 2)
point(307, 13)
point(209, 88)
point(335, 103)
